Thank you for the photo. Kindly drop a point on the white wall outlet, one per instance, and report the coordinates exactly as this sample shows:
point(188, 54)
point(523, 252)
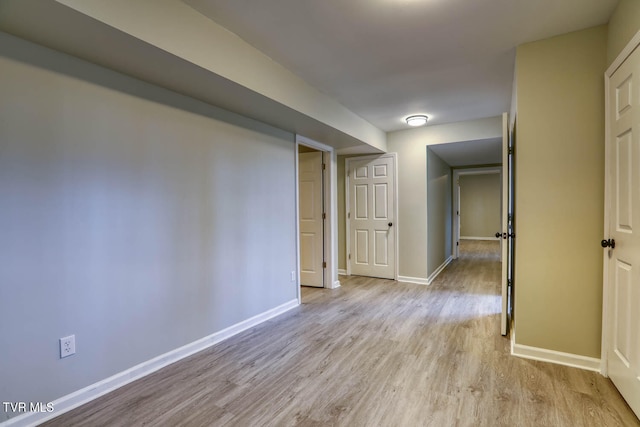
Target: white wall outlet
point(293, 276)
point(67, 346)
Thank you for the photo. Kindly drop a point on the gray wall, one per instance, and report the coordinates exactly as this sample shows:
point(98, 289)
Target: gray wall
point(438, 211)
point(480, 200)
point(135, 218)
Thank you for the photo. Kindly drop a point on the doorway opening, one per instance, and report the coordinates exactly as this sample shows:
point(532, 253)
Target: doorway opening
point(316, 222)
point(477, 206)
point(496, 153)
point(311, 211)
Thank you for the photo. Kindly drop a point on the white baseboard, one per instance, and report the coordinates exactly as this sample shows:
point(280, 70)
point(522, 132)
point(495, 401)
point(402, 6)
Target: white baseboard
point(558, 357)
point(87, 394)
point(433, 275)
point(492, 238)
point(342, 272)
point(336, 284)
point(417, 280)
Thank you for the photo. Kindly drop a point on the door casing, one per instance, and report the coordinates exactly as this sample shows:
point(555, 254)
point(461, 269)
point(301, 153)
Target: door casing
point(330, 186)
point(311, 201)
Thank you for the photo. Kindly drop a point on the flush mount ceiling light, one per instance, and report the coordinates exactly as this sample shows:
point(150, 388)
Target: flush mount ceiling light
point(417, 120)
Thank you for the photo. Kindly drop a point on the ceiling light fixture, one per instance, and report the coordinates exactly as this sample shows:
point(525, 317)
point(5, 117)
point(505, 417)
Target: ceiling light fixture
point(417, 120)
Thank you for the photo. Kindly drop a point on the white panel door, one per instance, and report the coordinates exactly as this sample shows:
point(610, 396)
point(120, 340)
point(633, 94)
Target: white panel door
point(371, 217)
point(504, 318)
point(623, 292)
point(311, 222)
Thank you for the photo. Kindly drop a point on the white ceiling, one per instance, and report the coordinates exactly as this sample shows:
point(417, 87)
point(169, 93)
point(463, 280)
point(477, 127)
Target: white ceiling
point(385, 59)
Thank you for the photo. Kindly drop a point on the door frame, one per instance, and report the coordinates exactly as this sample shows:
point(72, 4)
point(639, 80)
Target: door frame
point(347, 161)
point(316, 196)
point(330, 238)
point(624, 54)
point(456, 200)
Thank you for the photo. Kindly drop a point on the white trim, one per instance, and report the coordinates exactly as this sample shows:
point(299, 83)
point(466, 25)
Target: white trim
point(624, 54)
point(396, 222)
point(492, 238)
point(416, 280)
point(438, 270)
point(557, 357)
point(396, 214)
point(308, 142)
point(297, 207)
point(346, 216)
point(504, 225)
point(604, 345)
point(331, 224)
point(342, 271)
point(94, 391)
point(512, 336)
point(330, 159)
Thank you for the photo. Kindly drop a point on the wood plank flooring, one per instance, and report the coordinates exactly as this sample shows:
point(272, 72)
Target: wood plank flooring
point(371, 353)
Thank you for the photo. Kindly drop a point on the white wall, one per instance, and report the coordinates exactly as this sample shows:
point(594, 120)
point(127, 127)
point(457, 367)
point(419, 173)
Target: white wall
point(135, 218)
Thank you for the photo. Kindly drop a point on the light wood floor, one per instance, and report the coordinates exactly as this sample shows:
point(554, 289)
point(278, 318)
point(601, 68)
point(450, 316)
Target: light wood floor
point(371, 353)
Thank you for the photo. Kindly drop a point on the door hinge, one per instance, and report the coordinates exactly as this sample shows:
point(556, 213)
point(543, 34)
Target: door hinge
point(457, 243)
point(510, 150)
point(324, 166)
point(349, 256)
point(324, 265)
point(348, 215)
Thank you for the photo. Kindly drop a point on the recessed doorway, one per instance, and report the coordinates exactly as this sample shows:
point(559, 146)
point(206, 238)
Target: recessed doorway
point(317, 231)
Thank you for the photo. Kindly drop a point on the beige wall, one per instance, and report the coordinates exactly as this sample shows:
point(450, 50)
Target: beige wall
point(480, 201)
point(559, 192)
point(624, 24)
point(438, 212)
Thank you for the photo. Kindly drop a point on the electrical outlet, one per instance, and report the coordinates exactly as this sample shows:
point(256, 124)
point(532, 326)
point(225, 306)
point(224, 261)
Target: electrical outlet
point(67, 346)
point(293, 276)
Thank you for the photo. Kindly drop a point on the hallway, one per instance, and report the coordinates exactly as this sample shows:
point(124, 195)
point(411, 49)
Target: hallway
point(371, 353)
